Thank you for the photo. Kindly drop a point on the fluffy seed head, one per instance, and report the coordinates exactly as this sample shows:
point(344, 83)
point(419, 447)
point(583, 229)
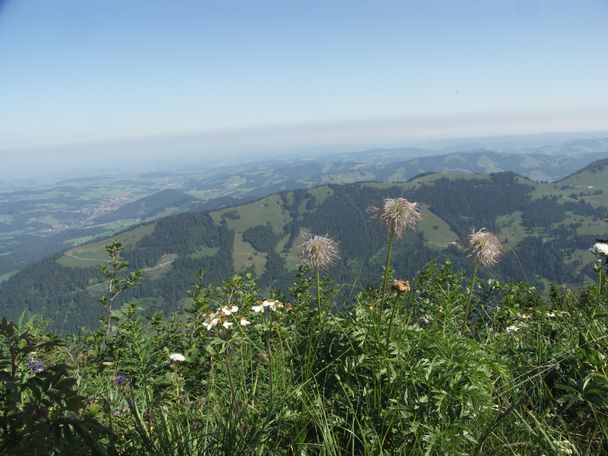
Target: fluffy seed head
point(318, 252)
point(396, 215)
point(484, 247)
point(600, 248)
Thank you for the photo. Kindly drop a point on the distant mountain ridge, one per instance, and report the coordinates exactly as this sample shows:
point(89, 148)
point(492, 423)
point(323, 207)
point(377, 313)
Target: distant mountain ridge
point(35, 224)
point(547, 229)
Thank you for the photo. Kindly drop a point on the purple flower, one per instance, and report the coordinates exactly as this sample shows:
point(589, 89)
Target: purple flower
point(35, 365)
point(117, 412)
point(120, 379)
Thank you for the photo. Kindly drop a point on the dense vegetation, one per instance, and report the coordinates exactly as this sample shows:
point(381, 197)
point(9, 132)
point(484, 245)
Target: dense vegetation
point(444, 364)
point(176, 247)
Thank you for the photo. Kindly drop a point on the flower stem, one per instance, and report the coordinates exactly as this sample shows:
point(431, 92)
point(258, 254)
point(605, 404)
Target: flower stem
point(270, 370)
point(229, 374)
point(386, 269)
point(468, 307)
point(390, 326)
point(318, 277)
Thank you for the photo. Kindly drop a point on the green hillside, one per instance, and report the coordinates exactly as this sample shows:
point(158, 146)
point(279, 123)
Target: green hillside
point(547, 230)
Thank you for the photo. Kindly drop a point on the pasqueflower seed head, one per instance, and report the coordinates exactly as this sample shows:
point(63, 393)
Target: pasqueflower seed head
point(397, 215)
point(484, 247)
point(318, 252)
point(600, 248)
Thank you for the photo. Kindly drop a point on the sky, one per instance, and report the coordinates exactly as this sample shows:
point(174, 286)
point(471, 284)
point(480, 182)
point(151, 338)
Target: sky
point(261, 74)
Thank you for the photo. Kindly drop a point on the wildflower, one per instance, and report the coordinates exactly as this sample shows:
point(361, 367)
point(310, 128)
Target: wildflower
point(565, 447)
point(318, 252)
point(211, 323)
point(177, 357)
point(484, 247)
point(117, 413)
point(551, 314)
point(259, 308)
point(226, 310)
point(244, 322)
point(396, 215)
point(401, 286)
point(120, 379)
point(512, 328)
point(35, 365)
point(272, 304)
point(220, 317)
point(600, 248)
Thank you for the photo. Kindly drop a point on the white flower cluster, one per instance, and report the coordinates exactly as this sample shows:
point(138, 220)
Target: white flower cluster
point(221, 317)
point(516, 327)
point(177, 357)
point(565, 447)
point(271, 304)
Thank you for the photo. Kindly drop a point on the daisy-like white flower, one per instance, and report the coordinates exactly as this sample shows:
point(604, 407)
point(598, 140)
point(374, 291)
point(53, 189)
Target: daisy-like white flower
point(272, 304)
point(484, 247)
point(258, 308)
point(318, 252)
point(397, 215)
point(244, 322)
point(600, 248)
point(221, 317)
point(228, 310)
point(177, 357)
point(512, 328)
point(209, 324)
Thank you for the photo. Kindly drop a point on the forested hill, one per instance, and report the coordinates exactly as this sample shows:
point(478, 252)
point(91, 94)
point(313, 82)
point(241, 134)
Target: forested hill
point(547, 230)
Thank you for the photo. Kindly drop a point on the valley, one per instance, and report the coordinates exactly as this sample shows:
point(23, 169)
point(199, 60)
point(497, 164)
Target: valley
point(547, 229)
point(41, 219)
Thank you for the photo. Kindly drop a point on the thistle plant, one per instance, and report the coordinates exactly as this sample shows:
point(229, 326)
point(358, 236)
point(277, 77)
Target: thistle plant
point(396, 216)
point(484, 249)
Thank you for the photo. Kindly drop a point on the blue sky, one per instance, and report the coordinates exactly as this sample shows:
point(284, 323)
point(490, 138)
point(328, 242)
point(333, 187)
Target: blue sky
point(75, 71)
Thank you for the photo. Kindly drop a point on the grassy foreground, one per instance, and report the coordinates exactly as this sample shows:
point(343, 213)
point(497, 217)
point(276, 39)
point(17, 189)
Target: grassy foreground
point(446, 364)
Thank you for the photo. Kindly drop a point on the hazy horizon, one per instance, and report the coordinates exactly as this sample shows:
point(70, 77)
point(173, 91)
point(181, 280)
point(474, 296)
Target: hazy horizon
point(102, 84)
point(158, 152)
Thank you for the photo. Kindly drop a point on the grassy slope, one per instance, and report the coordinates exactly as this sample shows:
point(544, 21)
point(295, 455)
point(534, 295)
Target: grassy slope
point(92, 254)
point(436, 231)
